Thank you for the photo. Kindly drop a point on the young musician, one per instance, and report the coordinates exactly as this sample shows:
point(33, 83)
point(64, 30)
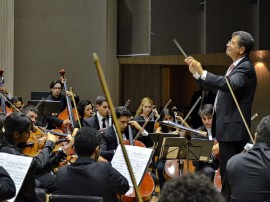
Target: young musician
point(88, 177)
point(17, 130)
point(85, 111)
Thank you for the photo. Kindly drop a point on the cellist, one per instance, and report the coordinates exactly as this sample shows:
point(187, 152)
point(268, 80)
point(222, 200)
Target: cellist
point(56, 89)
point(109, 140)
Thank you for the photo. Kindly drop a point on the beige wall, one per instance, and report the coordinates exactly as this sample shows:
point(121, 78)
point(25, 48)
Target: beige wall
point(50, 35)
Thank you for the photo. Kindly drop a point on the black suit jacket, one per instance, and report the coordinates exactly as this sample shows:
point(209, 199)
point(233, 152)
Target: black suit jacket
point(93, 122)
point(7, 186)
point(90, 178)
point(229, 125)
point(248, 174)
point(108, 143)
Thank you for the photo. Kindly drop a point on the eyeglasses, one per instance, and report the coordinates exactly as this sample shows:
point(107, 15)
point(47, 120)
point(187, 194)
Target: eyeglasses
point(57, 88)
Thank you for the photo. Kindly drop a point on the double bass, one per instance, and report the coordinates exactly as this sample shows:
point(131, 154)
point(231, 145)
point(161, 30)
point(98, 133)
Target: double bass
point(69, 112)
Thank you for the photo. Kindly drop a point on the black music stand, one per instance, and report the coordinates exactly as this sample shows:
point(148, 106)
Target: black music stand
point(186, 148)
point(47, 107)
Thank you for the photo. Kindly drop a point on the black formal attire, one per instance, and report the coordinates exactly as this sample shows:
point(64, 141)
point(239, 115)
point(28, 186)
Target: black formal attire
point(109, 143)
point(27, 191)
point(53, 121)
point(202, 167)
point(7, 186)
point(90, 178)
point(231, 132)
point(84, 123)
point(94, 122)
point(248, 174)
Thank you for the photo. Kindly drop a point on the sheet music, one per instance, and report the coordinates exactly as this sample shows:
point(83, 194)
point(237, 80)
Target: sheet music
point(139, 158)
point(17, 167)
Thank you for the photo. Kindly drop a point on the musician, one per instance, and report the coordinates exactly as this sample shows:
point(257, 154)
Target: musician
point(17, 130)
point(88, 177)
point(101, 119)
point(166, 114)
point(109, 139)
point(142, 114)
point(17, 102)
point(207, 168)
point(248, 172)
point(7, 186)
point(230, 129)
point(85, 111)
point(32, 112)
point(56, 88)
point(44, 177)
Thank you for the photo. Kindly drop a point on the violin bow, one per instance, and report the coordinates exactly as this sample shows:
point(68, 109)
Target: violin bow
point(239, 109)
point(191, 110)
point(109, 99)
point(75, 107)
point(127, 103)
point(167, 104)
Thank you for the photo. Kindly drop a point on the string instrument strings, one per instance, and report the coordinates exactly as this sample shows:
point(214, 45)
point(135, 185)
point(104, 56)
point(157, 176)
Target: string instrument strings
point(111, 106)
point(239, 109)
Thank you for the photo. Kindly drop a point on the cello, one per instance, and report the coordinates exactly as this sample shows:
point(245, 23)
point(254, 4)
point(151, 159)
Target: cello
point(69, 112)
point(147, 185)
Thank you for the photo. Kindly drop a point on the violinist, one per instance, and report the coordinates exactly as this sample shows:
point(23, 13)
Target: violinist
point(145, 109)
point(56, 89)
point(17, 130)
point(207, 168)
point(85, 111)
point(44, 177)
point(88, 177)
point(17, 103)
point(109, 140)
point(101, 119)
point(166, 114)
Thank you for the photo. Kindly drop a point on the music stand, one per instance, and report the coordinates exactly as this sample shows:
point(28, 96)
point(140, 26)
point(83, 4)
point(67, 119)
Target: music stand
point(186, 148)
point(47, 107)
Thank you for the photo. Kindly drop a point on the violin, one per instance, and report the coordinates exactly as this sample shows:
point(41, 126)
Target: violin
point(37, 139)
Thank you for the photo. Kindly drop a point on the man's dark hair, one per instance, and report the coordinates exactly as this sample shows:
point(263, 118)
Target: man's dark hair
point(28, 108)
point(245, 40)
point(16, 99)
point(190, 188)
point(16, 122)
point(86, 141)
point(81, 105)
point(263, 131)
point(55, 82)
point(122, 111)
point(100, 99)
point(206, 110)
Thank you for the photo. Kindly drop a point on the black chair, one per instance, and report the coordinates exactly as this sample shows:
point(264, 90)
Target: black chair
point(75, 198)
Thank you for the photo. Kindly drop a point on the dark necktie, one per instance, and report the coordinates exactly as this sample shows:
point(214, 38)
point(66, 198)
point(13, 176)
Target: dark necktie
point(103, 123)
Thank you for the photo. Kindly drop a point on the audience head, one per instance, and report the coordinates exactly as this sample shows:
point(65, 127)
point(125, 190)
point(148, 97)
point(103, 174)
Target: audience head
point(190, 188)
point(263, 131)
point(87, 141)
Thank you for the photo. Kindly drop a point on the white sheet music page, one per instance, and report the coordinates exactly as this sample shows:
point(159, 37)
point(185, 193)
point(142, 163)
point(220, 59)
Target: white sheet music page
point(17, 167)
point(139, 158)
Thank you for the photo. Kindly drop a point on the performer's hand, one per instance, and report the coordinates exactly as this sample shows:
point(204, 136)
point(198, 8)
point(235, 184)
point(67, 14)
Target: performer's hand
point(194, 65)
point(69, 93)
point(66, 122)
point(135, 125)
point(67, 146)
